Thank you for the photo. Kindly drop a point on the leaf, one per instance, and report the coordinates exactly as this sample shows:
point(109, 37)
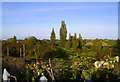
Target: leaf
point(60, 69)
point(33, 79)
point(40, 70)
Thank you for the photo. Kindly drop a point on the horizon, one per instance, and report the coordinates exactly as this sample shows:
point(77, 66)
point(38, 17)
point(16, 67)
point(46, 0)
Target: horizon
point(59, 39)
point(90, 19)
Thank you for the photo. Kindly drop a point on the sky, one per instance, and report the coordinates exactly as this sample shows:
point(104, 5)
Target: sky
point(59, 0)
point(90, 19)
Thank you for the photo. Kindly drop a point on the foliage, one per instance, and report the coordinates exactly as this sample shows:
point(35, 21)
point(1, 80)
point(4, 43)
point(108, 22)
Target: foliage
point(71, 60)
point(33, 71)
point(56, 53)
point(80, 42)
point(30, 41)
point(97, 45)
point(69, 42)
point(74, 40)
point(63, 33)
point(116, 49)
point(52, 37)
point(11, 40)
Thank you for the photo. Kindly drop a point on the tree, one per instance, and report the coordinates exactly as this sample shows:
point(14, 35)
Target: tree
point(63, 33)
point(74, 42)
point(97, 45)
point(80, 38)
point(97, 48)
point(118, 45)
point(80, 41)
point(116, 48)
point(15, 39)
point(12, 50)
point(11, 40)
point(52, 37)
point(69, 42)
point(30, 41)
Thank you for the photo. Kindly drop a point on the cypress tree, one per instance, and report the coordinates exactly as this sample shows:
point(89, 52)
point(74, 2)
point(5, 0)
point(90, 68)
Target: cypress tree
point(80, 41)
point(63, 33)
point(69, 43)
point(53, 37)
point(80, 38)
point(74, 41)
point(15, 39)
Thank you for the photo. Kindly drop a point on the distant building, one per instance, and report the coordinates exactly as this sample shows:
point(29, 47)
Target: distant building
point(18, 41)
point(91, 44)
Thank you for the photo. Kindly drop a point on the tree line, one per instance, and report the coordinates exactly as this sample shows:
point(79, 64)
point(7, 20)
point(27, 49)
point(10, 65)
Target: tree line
point(31, 47)
point(72, 42)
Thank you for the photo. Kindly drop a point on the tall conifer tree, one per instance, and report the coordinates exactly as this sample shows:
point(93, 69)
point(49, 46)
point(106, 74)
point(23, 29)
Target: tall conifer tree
point(69, 43)
point(74, 41)
point(53, 37)
point(63, 33)
point(80, 41)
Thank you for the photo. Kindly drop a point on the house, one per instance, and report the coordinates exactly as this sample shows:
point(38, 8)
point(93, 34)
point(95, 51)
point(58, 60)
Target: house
point(91, 44)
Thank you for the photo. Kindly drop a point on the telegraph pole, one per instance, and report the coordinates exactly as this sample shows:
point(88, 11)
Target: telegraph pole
point(20, 52)
point(7, 52)
point(23, 50)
